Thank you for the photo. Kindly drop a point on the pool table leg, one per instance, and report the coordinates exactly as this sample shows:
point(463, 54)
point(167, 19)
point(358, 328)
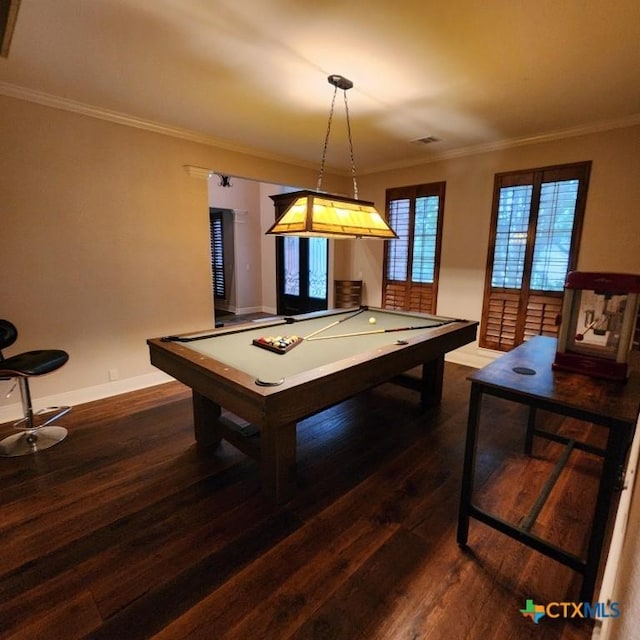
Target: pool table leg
point(278, 460)
point(432, 374)
point(206, 421)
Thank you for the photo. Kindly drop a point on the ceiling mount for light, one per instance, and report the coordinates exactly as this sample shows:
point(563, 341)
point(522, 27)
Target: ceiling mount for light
point(318, 214)
point(340, 82)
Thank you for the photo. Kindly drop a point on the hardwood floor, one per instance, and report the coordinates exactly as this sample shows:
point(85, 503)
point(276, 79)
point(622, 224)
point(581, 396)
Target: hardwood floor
point(127, 531)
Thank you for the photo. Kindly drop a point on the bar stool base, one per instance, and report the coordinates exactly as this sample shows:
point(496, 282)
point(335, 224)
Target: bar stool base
point(26, 442)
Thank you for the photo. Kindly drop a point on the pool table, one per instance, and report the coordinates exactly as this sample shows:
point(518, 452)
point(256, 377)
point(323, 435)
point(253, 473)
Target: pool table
point(342, 352)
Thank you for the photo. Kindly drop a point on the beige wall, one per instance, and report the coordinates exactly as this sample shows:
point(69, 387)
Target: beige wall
point(105, 243)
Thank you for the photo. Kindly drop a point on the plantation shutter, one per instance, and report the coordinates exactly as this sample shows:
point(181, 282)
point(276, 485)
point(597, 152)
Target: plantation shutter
point(217, 255)
point(411, 262)
point(535, 232)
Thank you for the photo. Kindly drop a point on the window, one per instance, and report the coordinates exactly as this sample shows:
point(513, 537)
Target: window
point(535, 233)
point(216, 228)
point(412, 262)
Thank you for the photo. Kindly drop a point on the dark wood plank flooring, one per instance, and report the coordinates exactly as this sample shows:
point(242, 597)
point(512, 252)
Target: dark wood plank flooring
point(127, 531)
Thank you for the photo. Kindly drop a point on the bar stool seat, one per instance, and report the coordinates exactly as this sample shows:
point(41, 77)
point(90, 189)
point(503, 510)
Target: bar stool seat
point(36, 431)
point(33, 363)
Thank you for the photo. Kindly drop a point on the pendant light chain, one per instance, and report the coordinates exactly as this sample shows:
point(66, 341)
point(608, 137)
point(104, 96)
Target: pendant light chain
point(353, 162)
point(326, 142)
point(326, 139)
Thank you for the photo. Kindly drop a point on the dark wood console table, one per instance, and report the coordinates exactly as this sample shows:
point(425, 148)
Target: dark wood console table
point(525, 375)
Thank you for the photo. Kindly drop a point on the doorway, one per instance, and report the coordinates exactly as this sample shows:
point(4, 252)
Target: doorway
point(222, 245)
point(301, 274)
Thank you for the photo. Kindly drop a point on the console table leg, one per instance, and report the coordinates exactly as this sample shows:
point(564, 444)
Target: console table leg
point(531, 426)
point(468, 472)
point(617, 440)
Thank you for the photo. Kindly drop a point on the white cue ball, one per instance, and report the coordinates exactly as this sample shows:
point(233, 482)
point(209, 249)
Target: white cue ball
point(372, 320)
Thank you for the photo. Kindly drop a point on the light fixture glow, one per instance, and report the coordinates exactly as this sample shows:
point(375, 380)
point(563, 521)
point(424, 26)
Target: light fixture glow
point(319, 214)
point(331, 216)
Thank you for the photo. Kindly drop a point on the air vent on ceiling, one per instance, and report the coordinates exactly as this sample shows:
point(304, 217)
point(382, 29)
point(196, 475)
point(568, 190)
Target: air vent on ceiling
point(426, 140)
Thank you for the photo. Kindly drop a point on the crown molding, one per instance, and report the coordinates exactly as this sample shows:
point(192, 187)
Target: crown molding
point(198, 172)
point(501, 145)
point(65, 104)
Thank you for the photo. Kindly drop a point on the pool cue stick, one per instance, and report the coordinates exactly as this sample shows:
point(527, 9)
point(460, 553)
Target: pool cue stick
point(220, 332)
point(333, 324)
point(368, 333)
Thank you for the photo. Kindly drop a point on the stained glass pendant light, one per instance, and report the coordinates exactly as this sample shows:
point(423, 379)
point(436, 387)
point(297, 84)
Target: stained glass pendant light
point(325, 215)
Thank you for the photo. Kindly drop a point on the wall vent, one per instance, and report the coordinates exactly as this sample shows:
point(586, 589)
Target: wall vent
point(426, 140)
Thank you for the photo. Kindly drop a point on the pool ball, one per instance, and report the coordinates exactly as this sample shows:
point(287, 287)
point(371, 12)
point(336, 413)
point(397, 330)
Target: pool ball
point(372, 320)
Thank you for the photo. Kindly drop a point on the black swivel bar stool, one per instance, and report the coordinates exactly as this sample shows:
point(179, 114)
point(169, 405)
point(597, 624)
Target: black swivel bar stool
point(36, 431)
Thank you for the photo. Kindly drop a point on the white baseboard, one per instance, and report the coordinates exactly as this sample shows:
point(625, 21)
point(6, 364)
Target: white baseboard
point(87, 394)
point(240, 311)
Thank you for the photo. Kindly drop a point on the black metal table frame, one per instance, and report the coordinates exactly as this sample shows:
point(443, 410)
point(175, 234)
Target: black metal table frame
point(614, 454)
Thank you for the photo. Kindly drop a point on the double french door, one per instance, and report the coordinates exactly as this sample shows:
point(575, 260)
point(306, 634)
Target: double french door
point(302, 274)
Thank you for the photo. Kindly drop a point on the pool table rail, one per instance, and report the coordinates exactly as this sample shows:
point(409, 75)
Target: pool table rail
point(306, 393)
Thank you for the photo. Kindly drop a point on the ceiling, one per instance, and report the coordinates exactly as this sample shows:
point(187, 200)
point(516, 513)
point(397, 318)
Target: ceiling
point(252, 74)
